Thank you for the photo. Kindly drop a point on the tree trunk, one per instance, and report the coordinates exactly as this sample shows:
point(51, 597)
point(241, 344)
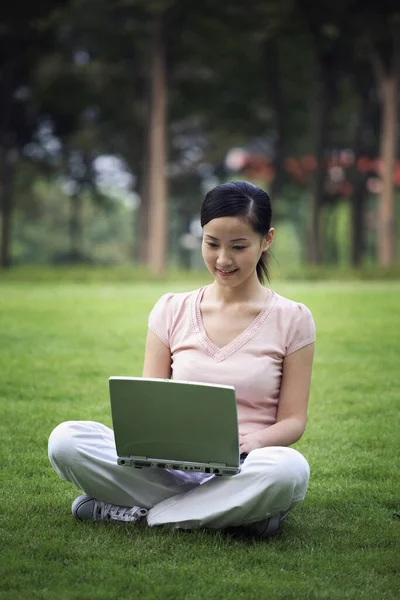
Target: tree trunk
point(358, 181)
point(327, 58)
point(141, 233)
point(324, 102)
point(357, 220)
point(329, 219)
point(142, 225)
point(5, 210)
point(386, 211)
point(274, 80)
point(75, 229)
point(157, 185)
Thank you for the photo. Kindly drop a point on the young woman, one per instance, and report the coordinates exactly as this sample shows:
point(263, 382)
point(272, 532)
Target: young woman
point(236, 332)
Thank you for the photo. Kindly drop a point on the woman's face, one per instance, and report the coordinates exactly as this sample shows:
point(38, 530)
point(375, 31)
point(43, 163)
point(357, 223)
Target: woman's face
point(231, 249)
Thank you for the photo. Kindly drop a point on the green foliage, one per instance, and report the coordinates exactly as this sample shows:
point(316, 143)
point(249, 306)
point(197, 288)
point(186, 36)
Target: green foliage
point(59, 345)
point(87, 74)
point(41, 228)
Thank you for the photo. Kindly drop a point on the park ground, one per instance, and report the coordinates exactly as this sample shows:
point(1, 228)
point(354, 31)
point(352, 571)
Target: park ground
point(59, 343)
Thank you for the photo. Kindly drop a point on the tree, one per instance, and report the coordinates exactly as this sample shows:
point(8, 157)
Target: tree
point(156, 183)
point(385, 58)
point(18, 51)
point(327, 38)
point(376, 35)
point(23, 44)
point(365, 144)
point(124, 44)
point(6, 203)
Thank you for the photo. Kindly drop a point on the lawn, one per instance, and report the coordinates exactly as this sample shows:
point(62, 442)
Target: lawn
point(59, 343)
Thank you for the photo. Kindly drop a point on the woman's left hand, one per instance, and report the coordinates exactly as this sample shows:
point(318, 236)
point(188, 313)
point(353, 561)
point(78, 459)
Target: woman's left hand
point(248, 443)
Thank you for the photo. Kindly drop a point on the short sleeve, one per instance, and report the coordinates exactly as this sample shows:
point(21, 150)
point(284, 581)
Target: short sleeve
point(160, 318)
point(302, 329)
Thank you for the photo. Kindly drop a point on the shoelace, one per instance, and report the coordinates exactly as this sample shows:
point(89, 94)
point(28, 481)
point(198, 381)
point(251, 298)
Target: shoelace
point(121, 513)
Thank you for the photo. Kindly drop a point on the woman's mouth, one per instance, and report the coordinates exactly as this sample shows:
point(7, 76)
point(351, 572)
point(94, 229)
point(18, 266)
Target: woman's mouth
point(227, 273)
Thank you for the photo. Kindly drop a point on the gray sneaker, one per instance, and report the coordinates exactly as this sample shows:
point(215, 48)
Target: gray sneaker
point(86, 508)
point(264, 529)
point(260, 530)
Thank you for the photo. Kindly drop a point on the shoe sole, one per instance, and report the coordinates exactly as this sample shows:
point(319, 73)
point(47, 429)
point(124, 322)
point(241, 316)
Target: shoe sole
point(77, 504)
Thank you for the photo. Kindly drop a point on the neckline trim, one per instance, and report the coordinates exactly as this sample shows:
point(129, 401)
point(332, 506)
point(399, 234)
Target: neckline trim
point(220, 354)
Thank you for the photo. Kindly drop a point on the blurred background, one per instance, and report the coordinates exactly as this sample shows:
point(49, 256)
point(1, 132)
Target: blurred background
point(116, 117)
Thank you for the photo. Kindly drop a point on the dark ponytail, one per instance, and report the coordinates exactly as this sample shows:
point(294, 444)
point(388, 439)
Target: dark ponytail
point(262, 268)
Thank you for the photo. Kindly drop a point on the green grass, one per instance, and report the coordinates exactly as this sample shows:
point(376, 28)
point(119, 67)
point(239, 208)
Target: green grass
point(58, 345)
point(127, 273)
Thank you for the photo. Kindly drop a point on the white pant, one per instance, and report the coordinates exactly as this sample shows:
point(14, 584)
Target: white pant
point(271, 481)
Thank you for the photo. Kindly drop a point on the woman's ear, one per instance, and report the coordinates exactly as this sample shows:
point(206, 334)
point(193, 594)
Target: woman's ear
point(267, 239)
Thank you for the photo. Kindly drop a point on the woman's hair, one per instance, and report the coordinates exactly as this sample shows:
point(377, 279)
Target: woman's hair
point(244, 200)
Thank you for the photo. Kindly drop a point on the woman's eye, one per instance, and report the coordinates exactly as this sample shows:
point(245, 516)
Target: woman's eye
point(239, 247)
point(211, 245)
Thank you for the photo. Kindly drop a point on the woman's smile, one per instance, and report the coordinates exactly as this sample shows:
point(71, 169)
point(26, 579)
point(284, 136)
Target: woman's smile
point(226, 272)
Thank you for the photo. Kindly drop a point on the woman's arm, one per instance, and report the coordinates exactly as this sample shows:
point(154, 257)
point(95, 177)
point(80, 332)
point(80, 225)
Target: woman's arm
point(292, 408)
point(157, 358)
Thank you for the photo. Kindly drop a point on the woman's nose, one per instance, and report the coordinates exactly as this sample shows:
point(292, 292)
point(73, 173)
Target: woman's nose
point(224, 259)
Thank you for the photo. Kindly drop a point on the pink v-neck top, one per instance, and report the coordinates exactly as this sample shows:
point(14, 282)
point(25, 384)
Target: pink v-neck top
point(252, 362)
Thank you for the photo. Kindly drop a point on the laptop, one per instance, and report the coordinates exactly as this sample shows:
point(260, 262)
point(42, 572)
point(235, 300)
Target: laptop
point(170, 424)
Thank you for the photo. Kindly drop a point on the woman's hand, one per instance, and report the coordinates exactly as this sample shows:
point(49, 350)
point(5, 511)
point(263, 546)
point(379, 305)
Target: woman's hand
point(248, 443)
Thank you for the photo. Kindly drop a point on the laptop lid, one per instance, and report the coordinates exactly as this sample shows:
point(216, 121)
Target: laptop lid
point(175, 420)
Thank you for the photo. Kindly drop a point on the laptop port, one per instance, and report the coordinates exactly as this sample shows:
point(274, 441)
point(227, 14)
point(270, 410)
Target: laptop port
point(207, 470)
point(160, 465)
point(122, 462)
